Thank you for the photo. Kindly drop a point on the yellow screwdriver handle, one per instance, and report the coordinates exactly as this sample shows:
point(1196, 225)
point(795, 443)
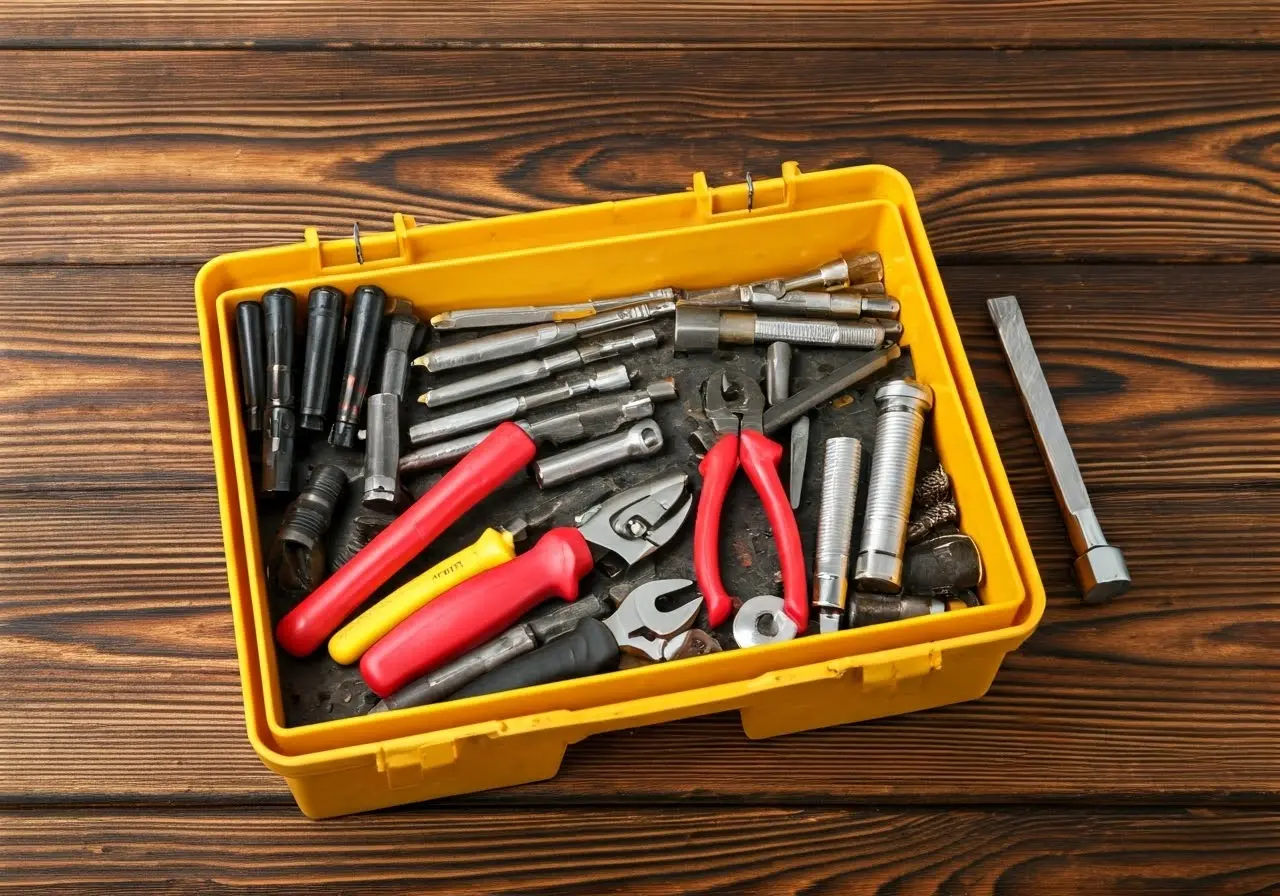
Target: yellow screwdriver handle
point(493, 548)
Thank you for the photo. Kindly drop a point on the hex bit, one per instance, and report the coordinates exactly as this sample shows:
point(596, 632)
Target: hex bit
point(777, 387)
point(535, 369)
point(523, 341)
point(520, 316)
point(706, 329)
point(1099, 567)
point(611, 378)
point(592, 418)
point(803, 302)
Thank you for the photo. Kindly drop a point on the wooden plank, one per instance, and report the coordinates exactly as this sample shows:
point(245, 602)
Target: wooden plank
point(172, 156)
point(104, 388)
point(673, 850)
point(714, 23)
point(115, 622)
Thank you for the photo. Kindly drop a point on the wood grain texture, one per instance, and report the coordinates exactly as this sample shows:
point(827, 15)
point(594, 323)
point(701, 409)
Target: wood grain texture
point(168, 156)
point(1152, 397)
point(663, 851)
point(715, 23)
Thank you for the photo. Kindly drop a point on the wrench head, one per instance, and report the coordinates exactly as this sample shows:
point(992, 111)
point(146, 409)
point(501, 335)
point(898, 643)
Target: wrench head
point(694, 642)
point(636, 522)
point(732, 402)
point(641, 628)
point(761, 620)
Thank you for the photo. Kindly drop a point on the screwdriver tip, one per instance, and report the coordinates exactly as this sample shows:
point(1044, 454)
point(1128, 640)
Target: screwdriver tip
point(380, 706)
point(420, 361)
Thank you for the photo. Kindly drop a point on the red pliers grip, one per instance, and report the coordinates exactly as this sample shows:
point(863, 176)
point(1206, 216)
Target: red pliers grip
point(491, 463)
point(759, 455)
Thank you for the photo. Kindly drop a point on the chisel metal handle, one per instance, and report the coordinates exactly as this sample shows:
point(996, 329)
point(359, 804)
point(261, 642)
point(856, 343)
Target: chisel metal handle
point(1100, 568)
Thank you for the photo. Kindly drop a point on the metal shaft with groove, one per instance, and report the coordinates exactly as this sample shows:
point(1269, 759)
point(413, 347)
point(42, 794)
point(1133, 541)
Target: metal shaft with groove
point(705, 329)
point(476, 318)
point(842, 464)
point(902, 405)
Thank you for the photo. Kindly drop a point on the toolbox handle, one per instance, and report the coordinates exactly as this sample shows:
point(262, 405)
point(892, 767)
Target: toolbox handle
point(747, 198)
point(379, 249)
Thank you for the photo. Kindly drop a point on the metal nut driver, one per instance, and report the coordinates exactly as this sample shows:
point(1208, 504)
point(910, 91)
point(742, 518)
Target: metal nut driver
point(1099, 568)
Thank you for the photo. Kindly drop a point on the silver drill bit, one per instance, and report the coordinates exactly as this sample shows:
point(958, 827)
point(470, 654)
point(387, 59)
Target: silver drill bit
point(591, 418)
point(517, 641)
point(521, 316)
point(777, 388)
point(642, 440)
point(705, 329)
point(842, 464)
point(810, 304)
point(526, 340)
point(1100, 568)
point(899, 427)
point(611, 378)
point(382, 451)
point(535, 369)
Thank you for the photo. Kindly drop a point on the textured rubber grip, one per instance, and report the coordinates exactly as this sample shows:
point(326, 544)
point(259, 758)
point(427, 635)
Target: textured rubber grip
point(477, 610)
point(587, 650)
point(717, 469)
point(760, 457)
point(495, 460)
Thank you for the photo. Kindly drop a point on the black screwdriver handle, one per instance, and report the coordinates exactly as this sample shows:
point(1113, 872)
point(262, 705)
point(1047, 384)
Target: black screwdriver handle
point(587, 650)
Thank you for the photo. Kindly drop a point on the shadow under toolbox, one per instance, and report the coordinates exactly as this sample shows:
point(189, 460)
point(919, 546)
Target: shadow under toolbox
point(699, 239)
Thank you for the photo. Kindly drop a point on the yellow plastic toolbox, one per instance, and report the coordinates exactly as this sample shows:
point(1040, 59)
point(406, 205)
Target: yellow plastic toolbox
point(700, 238)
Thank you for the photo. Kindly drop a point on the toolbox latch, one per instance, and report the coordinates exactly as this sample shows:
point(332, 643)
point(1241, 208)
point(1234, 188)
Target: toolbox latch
point(894, 672)
point(407, 767)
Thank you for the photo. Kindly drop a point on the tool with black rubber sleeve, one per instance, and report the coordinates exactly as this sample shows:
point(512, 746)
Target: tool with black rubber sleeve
point(362, 344)
point(514, 642)
point(252, 352)
point(325, 306)
point(405, 334)
point(733, 405)
point(624, 530)
point(280, 424)
point(638, 628)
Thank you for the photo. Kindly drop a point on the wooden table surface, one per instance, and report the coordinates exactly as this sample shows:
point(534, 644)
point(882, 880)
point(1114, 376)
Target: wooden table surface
point(1116, 165)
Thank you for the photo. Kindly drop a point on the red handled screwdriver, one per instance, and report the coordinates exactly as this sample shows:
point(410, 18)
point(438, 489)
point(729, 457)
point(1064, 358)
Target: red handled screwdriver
point(491, 463)
point(481, 608)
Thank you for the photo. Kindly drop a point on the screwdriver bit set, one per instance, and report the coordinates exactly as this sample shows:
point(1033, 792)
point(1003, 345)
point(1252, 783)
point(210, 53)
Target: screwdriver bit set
point(499, 487)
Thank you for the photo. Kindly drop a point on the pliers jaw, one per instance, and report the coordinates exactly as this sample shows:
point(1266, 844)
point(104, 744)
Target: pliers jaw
point(634, 523)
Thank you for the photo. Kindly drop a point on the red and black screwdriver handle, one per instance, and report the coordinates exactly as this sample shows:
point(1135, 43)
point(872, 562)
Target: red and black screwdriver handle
point(491, 463)
point(759, 455)
point(477, 610)
point(587, 650)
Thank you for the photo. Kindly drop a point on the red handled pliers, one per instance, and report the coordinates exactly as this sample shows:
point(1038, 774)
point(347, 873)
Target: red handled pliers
point(734, 407)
